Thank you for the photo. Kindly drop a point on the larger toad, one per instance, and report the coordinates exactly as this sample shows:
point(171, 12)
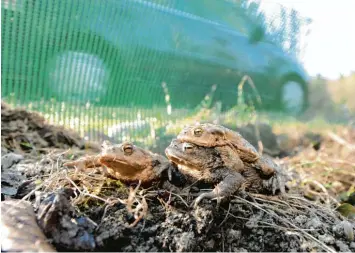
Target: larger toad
point(126, 162)
point(218, 165)
point(211, 135)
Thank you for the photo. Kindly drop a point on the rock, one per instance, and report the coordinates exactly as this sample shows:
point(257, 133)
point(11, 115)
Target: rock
point(8, 160)
point(301, 219)
point(327, 239)
point(233, 235)
point(57, 218)
point(19, 229)
point(186, 242)
point(4, 151)
point(342, 246)
point(210, 244)
point(344, 230)
point(11, 177)
point(314, 223)
point(352, 246)
point(8, 190)
point(25, 188)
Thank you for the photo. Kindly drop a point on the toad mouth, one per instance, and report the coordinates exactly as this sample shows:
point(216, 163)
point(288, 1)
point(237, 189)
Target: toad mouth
point(112, 159)
point(180, 162)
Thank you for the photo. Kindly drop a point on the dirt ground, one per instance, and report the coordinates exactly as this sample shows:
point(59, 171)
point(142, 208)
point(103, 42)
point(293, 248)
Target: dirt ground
point(91, 212)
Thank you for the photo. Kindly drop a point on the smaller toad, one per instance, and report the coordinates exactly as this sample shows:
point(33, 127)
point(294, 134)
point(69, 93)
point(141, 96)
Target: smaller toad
point(126, 162)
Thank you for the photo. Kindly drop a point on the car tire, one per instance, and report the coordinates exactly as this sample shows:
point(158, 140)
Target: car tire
point(78, 77)
point(293, 96)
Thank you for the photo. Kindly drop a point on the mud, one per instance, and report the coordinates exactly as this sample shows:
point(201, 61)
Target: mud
point(245, 222)
point(23, 130)
point(89, 212)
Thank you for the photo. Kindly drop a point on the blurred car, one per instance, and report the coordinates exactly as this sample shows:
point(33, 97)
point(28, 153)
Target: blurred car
point(119, 52)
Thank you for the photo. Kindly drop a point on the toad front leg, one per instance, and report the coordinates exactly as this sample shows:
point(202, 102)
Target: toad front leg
point(230, 182)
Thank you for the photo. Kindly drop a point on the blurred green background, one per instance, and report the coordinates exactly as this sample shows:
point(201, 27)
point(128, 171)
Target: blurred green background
point(137, 70)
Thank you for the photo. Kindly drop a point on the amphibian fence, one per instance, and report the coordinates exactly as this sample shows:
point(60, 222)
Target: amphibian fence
point(105, 67)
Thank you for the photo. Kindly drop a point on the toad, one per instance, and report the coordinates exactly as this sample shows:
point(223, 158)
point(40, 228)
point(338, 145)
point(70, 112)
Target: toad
point(221, 166)
point(126, 162)
point(211, 135)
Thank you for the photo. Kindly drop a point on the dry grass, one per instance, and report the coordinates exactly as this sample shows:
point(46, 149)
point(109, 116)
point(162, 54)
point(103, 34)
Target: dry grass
point(327, 174)
point(92, 187)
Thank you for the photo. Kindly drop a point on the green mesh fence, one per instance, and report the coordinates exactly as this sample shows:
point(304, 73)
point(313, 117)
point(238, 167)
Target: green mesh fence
point(130, 68)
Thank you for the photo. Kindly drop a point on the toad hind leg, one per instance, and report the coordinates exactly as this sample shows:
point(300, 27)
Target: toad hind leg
point(84, 163)
point(230, 184)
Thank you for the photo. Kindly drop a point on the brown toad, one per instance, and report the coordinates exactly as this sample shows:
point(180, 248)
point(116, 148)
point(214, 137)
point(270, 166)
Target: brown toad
point(126, 162)
point(211, 135)
point(219, 165)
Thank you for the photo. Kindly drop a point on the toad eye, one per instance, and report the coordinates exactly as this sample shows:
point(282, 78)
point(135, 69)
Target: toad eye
point(187, 146)
point(127, 149)
point(198, 131)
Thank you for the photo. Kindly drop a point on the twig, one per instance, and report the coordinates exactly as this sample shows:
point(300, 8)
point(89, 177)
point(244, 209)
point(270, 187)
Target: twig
point(341, 141)
point(252, 85)
point(321, 187)
point(131, 196)
point(272, 225)
point(278, 202)
point(256, 121)
point(144, 206)
point(177, 195)
point(343, 162)
point(225, 218)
